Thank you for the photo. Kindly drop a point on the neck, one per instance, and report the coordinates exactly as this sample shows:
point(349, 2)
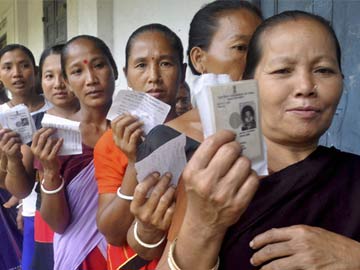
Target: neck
point(69, 112)
point(172, 115)
point(31, 101)
point(281, 155)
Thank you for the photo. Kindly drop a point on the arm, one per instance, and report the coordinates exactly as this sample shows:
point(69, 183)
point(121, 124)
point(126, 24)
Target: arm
point(113, 215)
point(153, 215)
point(54, 207)
point(20, 176)
point(219, 186)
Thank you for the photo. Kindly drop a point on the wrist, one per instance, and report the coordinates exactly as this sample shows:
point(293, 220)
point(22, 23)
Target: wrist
point(149, 233)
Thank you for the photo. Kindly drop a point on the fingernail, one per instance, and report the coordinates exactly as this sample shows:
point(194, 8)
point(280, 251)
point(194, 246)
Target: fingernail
point(168, 174)
point(156, 174)
point(252, 261)
point(251, 244)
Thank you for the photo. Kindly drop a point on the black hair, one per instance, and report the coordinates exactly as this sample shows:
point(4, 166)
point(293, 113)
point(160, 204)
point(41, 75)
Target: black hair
point(99, 43)
point(47, 52)
point(155, 27)
point(12, 47)
point(205, 23)
point(255, 46)
point(186, 87)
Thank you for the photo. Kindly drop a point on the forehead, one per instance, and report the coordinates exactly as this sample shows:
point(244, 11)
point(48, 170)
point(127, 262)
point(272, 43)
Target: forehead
point(82, 49)
point(151, 43)
point(241, 22)
point(52, 59)
point(300, 37)
point(14, 55)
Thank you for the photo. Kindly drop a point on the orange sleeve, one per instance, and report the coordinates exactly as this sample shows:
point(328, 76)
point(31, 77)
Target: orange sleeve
point(110, 164)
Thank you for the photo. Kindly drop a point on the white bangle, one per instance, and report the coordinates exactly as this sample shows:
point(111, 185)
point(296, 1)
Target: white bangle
point(145, 245)
point(123, 196)
point(172, 264)
point(50, 192)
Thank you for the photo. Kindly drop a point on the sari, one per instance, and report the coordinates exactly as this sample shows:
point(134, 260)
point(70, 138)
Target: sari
point(81, 246)
point(11, 237)
point(322, 190)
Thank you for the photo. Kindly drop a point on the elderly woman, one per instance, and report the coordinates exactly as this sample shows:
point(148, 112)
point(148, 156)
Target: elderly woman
point(305, 214)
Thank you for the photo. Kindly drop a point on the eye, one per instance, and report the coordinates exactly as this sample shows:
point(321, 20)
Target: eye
point(325, 70)
point(6, 67)
point(281, 71)
point(166, 64)
point(241, 47)
point(25, 65)
point(48, 76)
point(140, 65)
point(99, 65)
point(76, 71)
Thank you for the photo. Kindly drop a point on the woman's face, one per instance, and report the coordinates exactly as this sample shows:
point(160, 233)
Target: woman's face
point(17, 72)
point(228, 48)
point(300, 83)
point(154, 67)
point(53, 83)
point(89, 73)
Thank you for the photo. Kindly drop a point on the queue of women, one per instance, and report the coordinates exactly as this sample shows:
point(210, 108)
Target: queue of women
point(91, 212)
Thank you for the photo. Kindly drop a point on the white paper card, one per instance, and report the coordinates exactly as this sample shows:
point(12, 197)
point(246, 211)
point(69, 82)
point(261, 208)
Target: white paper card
point(18, 119)
point(68, 130)
point(150, 110)
point(169, 157)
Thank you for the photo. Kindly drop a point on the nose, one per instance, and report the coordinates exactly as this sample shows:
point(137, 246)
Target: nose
point(17, 71)
point(305, 85)
point(154, 74)
point(59, 82)
point(91, 77)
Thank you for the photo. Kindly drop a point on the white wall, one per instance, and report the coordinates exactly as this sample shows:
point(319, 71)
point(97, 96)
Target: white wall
point(129, 15)
point(24, 23)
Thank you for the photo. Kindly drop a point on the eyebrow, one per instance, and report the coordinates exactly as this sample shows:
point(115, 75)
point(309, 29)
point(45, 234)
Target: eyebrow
point(161, 57)
point(243, 37)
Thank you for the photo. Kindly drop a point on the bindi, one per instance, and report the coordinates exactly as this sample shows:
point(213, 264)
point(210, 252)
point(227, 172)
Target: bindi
point(85, 61)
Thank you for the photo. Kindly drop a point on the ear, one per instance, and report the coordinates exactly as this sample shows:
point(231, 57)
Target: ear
point(198, 59)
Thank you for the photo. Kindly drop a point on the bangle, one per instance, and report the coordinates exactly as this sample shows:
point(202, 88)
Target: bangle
point(123, 196)
point(136, 236)
point(172, 264)
point(50, 192)
point(19, 205)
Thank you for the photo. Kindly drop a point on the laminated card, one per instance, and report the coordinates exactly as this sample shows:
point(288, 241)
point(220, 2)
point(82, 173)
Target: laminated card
point(18, 119)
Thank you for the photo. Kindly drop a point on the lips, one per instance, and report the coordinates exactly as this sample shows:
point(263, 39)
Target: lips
point(94, 93)
point(19, 84)
point(61, 94)
point(156, 93)
point(305, 111)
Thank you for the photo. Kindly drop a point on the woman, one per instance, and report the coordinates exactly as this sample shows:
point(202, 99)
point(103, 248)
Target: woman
point(17, 73)
point(66, 105)
point(68, 190)
point(218, 39)
point(295, 56)
point(154, 64)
